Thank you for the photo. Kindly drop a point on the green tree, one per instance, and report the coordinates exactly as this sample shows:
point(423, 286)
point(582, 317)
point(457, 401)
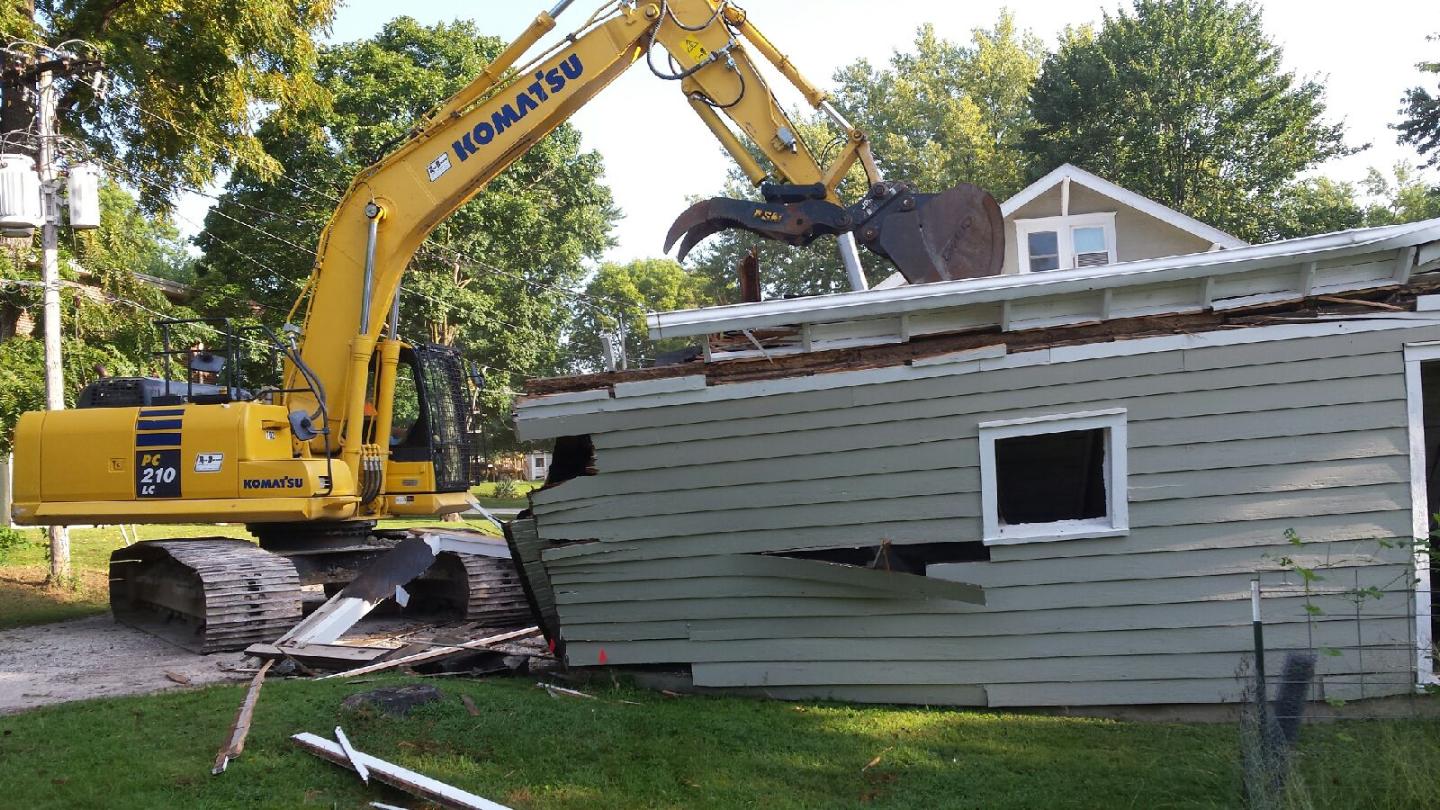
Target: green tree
point(624, 293)
point(187, 78)
point(493, 279)
point(108, 311)
point(939, 114)
point(1421, 110)
point(1186, 102)
point(1403, 196)
point(1317, 205)
point(944, 112)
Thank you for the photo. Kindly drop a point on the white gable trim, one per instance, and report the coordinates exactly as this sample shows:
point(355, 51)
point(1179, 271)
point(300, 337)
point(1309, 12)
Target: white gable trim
point(1120, 194)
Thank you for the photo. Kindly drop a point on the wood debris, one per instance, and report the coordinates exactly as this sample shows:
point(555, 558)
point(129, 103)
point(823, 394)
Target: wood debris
point(235, 743)
point(356, 763)
point(470, 705)
point(177, 677)
point(438, 652)
point(557, 691)
point(398, 777)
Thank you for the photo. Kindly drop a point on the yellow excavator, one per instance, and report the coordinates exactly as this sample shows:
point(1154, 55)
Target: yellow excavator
point(309, 465)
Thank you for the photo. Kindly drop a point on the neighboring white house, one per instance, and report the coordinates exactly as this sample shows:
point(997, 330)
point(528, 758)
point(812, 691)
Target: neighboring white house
point(1071, 218)
point(537, 464)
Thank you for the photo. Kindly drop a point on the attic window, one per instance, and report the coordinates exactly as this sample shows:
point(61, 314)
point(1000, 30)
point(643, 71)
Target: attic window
point(1054, 477)
point(1066, 242)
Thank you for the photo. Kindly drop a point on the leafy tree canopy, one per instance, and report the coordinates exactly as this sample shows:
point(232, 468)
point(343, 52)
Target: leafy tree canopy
point(188, 78)
point(108, 311)
point(1420, 126)
point(629, 291)
point(948, 112)
point(939, 114)
point(1186, 102)
point(494, 279)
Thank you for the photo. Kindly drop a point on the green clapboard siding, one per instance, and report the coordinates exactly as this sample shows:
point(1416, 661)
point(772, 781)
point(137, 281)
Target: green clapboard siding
point(654, 559)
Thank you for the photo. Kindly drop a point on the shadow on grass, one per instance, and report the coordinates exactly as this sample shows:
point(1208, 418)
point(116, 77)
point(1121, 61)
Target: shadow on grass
point(26, 599)
point(532, 751)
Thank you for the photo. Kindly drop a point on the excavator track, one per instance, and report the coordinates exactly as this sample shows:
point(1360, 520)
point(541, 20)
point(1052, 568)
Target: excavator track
point(482, 589)
point(497, 598)
point(206, 595)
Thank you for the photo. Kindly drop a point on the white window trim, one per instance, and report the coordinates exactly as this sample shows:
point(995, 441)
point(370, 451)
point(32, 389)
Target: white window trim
point(1063, 227)
point(1415, 354)
point(1116, 467)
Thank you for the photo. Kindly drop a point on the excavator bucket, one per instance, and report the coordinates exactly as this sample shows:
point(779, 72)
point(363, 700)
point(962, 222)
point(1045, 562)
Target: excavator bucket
point(954, 234)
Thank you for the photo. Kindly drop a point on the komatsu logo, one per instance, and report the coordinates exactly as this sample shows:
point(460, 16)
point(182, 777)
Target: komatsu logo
point(546, 84)
point(283, 482)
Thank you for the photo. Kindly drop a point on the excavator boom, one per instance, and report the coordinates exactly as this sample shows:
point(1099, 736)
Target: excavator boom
point(310, 465)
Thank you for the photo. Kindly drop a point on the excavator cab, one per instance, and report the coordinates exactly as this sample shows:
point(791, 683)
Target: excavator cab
point(428, 426)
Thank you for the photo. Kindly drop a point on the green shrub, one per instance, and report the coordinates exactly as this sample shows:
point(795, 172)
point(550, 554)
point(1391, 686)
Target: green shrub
point(11, 541)
point(506, 489)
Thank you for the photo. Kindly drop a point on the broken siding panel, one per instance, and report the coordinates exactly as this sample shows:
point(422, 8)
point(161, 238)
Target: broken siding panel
point(526, 549)
point(1040, 597)
point(999, 573)
point(1387, 523)
point(853, 619)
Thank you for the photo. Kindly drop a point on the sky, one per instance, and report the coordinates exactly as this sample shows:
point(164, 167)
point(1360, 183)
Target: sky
point(657, 154)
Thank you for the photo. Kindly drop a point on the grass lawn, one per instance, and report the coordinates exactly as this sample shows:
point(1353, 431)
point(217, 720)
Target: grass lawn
point(528, 750)
point(485, 493)
point(26, 599)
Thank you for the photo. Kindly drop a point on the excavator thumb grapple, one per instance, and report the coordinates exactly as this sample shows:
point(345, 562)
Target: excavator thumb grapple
point(954, 234)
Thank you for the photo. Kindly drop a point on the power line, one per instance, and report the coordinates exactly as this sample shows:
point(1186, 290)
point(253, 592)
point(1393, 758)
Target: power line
point(238, 156)
point(432, 249)
point(473, 260)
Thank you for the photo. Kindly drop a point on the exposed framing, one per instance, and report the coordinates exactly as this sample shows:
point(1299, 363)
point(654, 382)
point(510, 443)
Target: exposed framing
point(1064, 227)
point(1116, 468)
point(1415, 354)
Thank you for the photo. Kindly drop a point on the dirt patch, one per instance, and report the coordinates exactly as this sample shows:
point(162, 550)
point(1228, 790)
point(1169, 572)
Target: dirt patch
point(95, 657)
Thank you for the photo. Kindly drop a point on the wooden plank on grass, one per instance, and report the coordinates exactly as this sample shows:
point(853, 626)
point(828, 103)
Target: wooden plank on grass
point(395, 776)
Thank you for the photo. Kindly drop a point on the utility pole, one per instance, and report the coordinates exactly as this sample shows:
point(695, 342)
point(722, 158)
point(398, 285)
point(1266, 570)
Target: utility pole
point(50, 277)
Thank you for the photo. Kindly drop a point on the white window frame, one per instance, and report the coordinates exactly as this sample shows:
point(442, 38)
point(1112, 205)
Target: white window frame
point(1415, 354)
point(1116, 521)
point(1064, 228)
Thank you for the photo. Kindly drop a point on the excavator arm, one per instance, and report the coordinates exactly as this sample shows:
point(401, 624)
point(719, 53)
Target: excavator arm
point(393, 206)
point(311, 466)
point(321, 447)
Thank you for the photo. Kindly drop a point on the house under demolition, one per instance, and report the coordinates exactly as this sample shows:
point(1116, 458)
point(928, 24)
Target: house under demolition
point(1049, 487)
